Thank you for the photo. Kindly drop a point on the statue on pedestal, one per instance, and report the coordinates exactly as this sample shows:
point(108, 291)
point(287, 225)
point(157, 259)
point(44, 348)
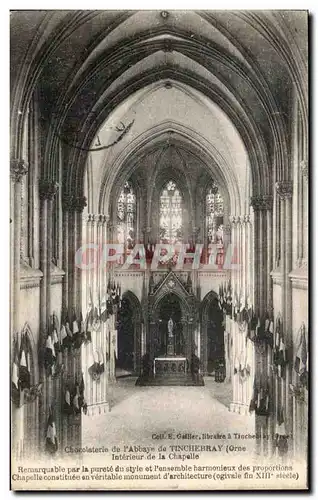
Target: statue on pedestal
point(170, 346)
point(170, 327)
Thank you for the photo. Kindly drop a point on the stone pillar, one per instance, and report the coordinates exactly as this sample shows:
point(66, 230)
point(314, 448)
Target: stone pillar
point(243, 252)
point(284, 190)
point(75, 242)
point(71, 267)
point(235, 251)
point(67, 207)
point(18, 169)
point(91, 219)
point(72, 299)
point(304, 210)
point(79, 203)
point(47, 191)
point(269, 216)
point(248, 256)
point(262, 206)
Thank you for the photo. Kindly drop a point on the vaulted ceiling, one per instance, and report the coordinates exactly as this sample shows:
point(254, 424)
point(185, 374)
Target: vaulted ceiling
point(98, 70)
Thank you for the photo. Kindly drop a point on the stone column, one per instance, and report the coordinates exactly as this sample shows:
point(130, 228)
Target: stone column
point(269, 216)
point(70, 256)
point(285, 190)
point(47, 191)
point(71, 296)
point(248, 256)
point(18, 168)
point(79, 204)
point(90, 240)
point(243, 252)
point(235, 251)
point(303, 207)
point(67, 208)
point(262, 204)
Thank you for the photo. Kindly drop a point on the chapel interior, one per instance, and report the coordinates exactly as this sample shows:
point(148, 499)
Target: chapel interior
point(158, 222)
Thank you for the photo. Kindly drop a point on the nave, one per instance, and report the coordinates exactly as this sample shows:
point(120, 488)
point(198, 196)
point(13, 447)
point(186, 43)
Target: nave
point(139, 415)
point(158, 226)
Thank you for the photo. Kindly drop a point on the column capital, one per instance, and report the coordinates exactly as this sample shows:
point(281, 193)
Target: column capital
point(107, 220)
point(48, 189)
point(18, 168)
point(102, 219)
point(304, 168)
point(89, 218)
point(246, 219)
point(234, 219)
point(74, 203)
point(79, 203)
point(284, 189)
point(239, 220)
point(262, 202)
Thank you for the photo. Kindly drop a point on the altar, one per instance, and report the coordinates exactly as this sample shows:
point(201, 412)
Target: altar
point(169, 359)
point(170, 365)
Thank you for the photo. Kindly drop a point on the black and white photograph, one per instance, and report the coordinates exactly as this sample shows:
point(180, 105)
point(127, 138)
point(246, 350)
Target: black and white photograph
point(159, 249)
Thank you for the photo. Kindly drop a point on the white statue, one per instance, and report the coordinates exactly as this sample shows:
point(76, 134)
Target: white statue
point(170, 328)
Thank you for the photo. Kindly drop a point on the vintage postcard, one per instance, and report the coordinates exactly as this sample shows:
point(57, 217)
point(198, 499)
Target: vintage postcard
point(159, 249)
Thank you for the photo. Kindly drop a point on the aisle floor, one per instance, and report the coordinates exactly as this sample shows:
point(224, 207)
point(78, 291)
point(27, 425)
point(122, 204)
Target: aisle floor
point(139, 414)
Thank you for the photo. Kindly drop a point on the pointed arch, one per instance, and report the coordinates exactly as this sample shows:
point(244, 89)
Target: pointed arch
point(126, 162)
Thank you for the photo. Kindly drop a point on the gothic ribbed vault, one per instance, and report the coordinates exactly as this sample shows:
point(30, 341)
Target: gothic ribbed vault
point(124, 52)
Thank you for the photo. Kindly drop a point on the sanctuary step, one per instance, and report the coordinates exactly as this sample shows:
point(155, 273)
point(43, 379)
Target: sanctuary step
point(171, 380)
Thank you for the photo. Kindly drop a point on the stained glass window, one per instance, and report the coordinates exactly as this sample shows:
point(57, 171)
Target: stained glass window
point(214, 214)
point(126, 216)
point(170, 221)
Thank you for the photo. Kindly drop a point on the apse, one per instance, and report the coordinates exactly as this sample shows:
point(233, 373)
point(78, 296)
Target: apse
point(184, 135)
point(163, 108)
